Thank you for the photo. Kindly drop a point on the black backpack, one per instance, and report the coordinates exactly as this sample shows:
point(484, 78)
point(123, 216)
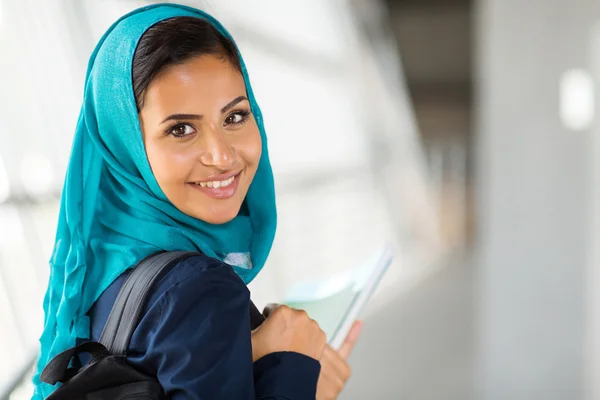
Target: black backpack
point(108, 375)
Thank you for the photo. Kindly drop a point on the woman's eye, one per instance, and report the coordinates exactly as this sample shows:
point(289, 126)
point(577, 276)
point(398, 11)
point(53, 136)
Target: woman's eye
point(182, 130)
point(237, 118)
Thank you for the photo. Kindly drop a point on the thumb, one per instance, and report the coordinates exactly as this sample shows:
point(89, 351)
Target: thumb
point(351, 339)
point(269, 309)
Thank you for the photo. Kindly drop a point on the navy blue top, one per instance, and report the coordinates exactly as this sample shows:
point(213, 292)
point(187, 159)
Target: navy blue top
point(194, 335)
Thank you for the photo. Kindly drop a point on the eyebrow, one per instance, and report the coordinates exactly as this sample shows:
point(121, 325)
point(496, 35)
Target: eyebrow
point(233, 103)
point(181, 116)
point(226, 108)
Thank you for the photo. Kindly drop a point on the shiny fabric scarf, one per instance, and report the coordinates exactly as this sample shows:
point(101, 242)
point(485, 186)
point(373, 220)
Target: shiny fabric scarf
point(113, 213)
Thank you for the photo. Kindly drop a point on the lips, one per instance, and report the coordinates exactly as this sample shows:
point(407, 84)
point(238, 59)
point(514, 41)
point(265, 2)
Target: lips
point(216, 183)
point(219, 186)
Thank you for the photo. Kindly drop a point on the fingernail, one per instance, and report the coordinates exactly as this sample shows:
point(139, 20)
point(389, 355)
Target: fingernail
point(357, 329)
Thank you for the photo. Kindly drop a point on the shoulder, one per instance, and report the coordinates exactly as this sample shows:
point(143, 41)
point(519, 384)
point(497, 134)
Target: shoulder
point(197, 290)
point(197, 272)
point(199, 279)
point(185, 282)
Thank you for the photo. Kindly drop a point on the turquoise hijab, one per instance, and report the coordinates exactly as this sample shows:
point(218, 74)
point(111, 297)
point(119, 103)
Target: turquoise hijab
point(113, 213)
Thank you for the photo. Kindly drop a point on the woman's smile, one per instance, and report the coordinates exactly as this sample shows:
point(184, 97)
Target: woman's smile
point(219, 187)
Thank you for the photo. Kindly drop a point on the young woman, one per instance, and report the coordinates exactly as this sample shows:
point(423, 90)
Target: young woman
point(170, 153)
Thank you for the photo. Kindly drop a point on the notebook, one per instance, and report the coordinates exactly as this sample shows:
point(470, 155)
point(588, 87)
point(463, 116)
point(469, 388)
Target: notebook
point(336, 302)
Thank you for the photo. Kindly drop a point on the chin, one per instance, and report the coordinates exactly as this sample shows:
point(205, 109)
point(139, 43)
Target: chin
point(217, 217)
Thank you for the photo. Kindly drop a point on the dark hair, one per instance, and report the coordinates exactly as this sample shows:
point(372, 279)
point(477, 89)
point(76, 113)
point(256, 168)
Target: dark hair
point(174, 41)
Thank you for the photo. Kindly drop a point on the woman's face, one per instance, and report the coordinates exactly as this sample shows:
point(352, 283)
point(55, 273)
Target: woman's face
point(202, 141)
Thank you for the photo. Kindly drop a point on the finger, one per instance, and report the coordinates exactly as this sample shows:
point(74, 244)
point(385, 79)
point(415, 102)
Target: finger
point(351, 339)
point(332, 361)
point(270, 308)
point(331, 356)
point(325, 390)
point(330, 380)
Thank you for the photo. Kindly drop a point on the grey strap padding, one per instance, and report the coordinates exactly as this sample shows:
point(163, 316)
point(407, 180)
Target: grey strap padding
point(126, 311)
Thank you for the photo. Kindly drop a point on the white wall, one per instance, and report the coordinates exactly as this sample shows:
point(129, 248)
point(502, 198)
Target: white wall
point(534, 200)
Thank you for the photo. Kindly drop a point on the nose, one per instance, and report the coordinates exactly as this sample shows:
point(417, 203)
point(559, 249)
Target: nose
point(216, 150)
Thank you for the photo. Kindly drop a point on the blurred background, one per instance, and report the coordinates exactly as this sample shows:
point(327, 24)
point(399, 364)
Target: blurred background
point(462, 131)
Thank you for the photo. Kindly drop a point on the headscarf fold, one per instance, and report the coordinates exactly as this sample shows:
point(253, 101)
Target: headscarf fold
point(113, 212)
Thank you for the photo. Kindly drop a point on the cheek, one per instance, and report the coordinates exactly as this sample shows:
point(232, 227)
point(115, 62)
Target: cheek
point(170, 166)
point(252, 148)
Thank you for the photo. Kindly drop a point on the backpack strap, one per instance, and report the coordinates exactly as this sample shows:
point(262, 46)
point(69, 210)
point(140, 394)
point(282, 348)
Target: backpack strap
point(125, 314)
point(130, 301)
point(58, 369)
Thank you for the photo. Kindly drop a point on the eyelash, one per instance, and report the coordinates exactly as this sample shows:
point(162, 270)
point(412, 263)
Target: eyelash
point(171, 130)
point(243, 113)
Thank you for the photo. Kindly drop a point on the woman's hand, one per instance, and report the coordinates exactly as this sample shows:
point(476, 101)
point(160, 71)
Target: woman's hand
point(335, 370)
point(287, 329)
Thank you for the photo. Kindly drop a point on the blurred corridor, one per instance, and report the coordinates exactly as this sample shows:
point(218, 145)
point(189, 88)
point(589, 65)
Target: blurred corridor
point(432, 333)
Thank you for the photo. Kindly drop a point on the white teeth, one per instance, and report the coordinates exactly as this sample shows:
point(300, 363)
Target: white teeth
point(217, 184)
